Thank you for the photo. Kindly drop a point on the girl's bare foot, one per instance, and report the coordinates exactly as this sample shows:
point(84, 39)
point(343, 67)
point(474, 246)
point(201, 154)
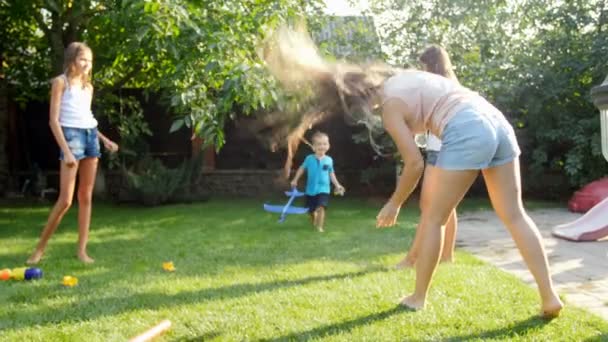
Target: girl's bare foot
point(35, 258)
point(552, 309)
point(407, 262)
point(320, 229)
point(412, 303)
point(86, 259)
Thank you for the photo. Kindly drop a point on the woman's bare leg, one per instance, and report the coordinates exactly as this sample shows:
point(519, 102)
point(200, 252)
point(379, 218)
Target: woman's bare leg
point(410, 258)
point(67, 181)
point(450, 231)
point(449, 187)
point(86, 182)
point(504, 188)
point(449, 243)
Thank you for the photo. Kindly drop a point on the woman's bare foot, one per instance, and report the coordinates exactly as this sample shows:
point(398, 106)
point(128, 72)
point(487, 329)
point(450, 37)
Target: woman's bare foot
point(86, 259)
point(35, 258)
point(447, 259)
point(552, 309)
point(321, 230)
point(407, 262)
point(412, 303)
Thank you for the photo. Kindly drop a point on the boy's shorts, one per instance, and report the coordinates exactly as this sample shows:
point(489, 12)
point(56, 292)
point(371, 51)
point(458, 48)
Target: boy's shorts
point(83, 142)
point(318, 200)
point(475, 140)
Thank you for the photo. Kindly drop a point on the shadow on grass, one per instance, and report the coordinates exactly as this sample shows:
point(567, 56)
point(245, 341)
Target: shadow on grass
point(517, 329)
point(93, 308)
point(338, 328)
point(210, 234)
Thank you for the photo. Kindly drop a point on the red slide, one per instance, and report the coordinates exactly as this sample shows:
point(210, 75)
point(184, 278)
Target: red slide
point(588, 196)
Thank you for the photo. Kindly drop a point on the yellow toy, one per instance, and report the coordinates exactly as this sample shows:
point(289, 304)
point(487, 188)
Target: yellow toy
point(69, 281)
point(18, 273)
point(168, 266)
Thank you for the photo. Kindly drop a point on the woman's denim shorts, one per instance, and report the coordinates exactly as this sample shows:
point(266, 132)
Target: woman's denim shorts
point(473, 140)
point(83, 142)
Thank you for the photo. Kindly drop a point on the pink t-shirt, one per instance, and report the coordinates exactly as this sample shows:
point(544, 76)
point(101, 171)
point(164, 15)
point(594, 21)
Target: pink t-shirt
point(431, 99)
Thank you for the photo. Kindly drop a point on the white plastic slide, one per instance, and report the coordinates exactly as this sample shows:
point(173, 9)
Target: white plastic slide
point(590, 227)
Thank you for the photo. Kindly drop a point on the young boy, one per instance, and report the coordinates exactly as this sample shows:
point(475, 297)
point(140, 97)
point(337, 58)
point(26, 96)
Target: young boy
point(320, 170)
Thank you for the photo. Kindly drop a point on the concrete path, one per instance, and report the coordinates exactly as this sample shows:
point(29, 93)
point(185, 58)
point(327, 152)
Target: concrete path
point(579, 269)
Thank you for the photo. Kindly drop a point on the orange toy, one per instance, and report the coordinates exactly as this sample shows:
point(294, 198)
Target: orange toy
point(5, 274)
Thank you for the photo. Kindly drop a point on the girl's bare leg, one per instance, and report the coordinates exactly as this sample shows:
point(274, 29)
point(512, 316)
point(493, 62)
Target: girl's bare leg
point(504, 187)
point(449, 243)
point(67, 181)
point(449, 187)
point(86, 182)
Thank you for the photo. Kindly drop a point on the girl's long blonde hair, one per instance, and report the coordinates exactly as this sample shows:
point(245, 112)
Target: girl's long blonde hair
point(69, 62)
point(293, 58)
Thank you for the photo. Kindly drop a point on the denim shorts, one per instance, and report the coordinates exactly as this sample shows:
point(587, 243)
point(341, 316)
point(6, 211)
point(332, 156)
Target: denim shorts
point(473, 140)
point(83, 142)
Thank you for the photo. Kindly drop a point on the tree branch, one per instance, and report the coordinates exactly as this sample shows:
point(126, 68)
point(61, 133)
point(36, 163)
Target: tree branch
point(119, 84)
point(602, 19)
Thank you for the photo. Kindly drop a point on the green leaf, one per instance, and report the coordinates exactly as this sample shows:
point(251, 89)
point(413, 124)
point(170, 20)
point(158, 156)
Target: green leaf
point(176, 125)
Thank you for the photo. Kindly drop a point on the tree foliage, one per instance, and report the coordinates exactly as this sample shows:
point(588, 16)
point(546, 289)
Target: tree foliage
point(535, 59)
point(201, 56)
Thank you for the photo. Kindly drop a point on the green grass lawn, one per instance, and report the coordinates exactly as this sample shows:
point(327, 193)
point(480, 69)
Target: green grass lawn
point(242, 276)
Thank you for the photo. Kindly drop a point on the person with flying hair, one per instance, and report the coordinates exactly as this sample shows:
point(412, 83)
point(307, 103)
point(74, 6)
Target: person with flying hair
point(476, 137)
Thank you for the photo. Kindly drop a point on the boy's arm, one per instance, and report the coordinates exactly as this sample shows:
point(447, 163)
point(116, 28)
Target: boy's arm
point(334, 181)
point(294, 182)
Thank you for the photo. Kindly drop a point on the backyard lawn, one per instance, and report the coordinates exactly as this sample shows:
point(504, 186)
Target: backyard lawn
point(240, 275)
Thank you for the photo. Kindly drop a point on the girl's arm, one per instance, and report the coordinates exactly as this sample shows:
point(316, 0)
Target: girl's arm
point(393, 117)
point(57, 88)
point(109, 144)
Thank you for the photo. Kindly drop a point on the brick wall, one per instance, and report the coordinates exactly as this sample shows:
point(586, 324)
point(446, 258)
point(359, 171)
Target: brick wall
point(253, 183)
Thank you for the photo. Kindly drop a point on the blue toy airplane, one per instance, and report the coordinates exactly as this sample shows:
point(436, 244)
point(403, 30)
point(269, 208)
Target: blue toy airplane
point(287, 208)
